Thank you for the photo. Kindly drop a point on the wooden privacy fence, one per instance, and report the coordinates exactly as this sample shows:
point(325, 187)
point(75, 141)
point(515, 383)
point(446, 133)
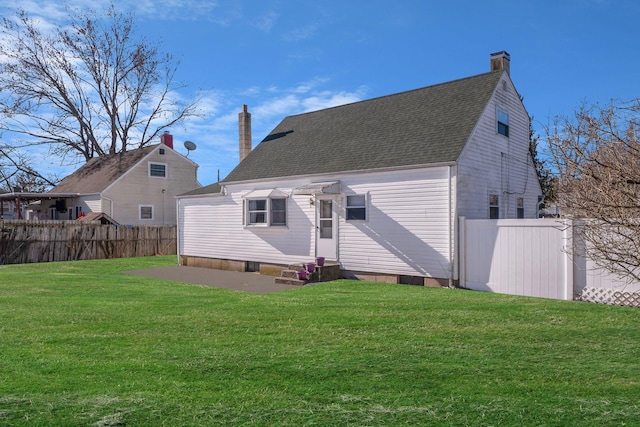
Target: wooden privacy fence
point(24, 242)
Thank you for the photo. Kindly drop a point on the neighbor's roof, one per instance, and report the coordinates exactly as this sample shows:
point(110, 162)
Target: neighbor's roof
point(209, 189)
point(100, 172)
point(418, 127)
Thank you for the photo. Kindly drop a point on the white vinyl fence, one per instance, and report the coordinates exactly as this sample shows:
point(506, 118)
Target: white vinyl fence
point(533, 257)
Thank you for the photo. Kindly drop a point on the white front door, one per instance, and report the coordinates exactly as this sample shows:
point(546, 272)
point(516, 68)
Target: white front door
point(326, 229)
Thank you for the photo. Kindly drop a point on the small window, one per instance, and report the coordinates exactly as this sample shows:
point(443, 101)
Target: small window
point(252, 266)
point(146, 212)
point(162, 151)
point(158, 170)
point(278, 211)
point(257, 211)
point(519, 207)
point(267, 212)
point(357, 207)
point(503, 123)
point(494, 207)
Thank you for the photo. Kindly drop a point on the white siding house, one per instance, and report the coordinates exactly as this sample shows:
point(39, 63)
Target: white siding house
point(134, 187)
point(375, 186)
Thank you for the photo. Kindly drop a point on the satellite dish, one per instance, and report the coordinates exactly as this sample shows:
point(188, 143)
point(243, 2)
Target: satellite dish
point(190, 146)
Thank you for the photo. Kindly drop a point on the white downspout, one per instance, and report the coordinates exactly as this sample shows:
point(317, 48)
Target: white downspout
point(178, 230)
point(451, 233)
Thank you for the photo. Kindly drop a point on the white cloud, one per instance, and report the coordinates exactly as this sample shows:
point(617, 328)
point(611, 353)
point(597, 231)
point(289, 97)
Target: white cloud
point(302, 33)
point(266, 22)
point(55, 11)
point(217, 136)
point(328, 99)
point(310, 85)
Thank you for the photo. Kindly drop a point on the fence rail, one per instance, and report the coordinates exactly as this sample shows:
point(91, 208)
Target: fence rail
point(23, 242)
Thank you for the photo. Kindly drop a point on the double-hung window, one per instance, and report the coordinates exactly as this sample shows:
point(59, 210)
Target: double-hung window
point(519, 207)
point(158, 170)
point(266, 208)
point(278, 212)
point(146, 212)
point(494, 207)
point(257, 211)
point(503, 122)
point(357, 207)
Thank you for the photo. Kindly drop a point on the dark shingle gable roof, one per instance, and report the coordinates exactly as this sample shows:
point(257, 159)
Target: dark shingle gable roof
point(100, 172)
point(422, 126)
point(209, 189)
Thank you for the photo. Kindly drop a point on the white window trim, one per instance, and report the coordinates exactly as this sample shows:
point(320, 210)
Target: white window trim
point(493, 206)
point(498, 121)
point(140, 212)
point(365, 206)
point(518, 208)
point(166, 170)
point(268, 212)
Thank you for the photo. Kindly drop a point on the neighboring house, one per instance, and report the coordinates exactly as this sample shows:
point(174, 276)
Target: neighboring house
point(134, 187)
point(376, 186)
point(7, 207)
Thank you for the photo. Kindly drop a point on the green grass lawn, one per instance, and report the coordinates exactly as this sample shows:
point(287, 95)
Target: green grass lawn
point(83, 344)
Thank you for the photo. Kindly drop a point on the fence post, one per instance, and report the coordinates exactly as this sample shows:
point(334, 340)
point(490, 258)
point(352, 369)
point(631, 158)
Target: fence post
point(568, 253)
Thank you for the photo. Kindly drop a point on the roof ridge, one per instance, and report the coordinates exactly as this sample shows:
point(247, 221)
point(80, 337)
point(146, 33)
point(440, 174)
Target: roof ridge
point(428, 125)
point(399, 93)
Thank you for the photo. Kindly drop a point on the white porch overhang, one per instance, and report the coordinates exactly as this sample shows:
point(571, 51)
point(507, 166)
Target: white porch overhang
point(326, 187)
point(265, 194)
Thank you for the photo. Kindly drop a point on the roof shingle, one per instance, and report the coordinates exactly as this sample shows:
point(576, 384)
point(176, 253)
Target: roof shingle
point(100, 172)
point(422, 126)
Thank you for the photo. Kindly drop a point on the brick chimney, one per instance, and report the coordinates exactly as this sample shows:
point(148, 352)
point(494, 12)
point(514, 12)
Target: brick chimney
point(501, 61)
point(167, 139)
point(244, 132)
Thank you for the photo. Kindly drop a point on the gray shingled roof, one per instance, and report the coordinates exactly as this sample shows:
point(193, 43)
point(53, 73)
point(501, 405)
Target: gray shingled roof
point(100, 172)
point(422, 126)
point(209, 189)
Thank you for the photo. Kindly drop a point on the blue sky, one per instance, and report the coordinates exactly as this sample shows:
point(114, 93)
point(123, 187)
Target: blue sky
point(286, 57)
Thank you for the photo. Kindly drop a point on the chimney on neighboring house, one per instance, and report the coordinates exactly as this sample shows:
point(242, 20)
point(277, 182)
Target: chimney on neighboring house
point(501, 61)
point(244, 132)
point(167, 139)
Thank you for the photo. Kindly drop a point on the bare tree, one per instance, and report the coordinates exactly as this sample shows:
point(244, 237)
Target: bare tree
point(597, 155)
point(545, 176)
point(90, 88)
point(17, 173)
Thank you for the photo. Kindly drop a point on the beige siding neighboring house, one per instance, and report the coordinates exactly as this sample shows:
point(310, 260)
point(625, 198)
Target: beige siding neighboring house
point(134, 187)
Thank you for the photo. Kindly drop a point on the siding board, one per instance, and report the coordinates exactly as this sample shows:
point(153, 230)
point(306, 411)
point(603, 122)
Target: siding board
point(406, 232)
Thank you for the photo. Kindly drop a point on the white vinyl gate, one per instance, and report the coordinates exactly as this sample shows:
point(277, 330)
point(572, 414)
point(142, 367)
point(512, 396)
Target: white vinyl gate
point(529, 257)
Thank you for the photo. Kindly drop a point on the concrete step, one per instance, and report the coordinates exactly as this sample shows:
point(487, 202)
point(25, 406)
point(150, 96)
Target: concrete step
point(289, 273)
point(330, 271)
point(289, 281)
